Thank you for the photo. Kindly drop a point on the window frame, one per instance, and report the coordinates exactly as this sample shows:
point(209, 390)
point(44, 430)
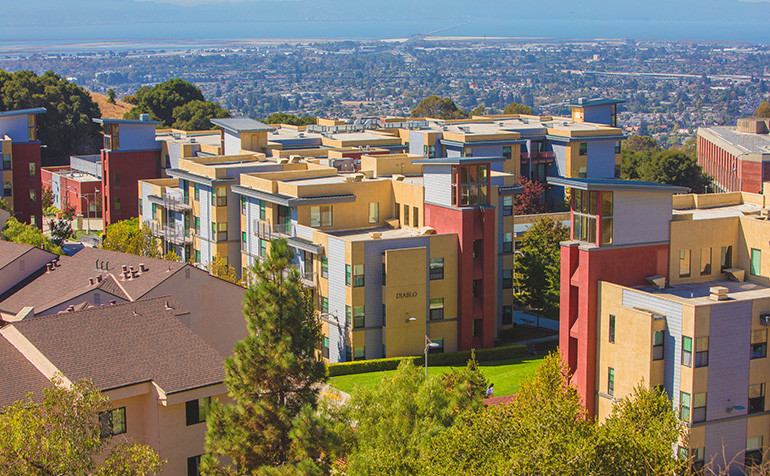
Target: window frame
point(686, 355)
point(359, 317)
point(611, 330)
point(196, 411)
point(439, 268)
point(107, 422)
point(610, 381)
point(658, 349)
point(436, 313)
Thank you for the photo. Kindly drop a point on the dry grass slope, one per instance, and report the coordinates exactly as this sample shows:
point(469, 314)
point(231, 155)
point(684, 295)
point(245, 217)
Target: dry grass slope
point(108, 110)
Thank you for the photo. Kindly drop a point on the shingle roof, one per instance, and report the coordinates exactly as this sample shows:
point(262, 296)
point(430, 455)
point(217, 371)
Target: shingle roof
point(242, 124)
point(70, 279)
point(18, 375)
point(125, 344)
point(10, 251)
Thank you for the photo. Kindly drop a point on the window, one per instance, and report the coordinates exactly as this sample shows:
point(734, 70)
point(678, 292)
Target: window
point(262, 211)
point(684, 263)
point(436, 309)
point(684, 406)
point(374, 212)
point(6, 161)
point(194, 466)
point(687, 351)
point(587, 208)
point(358, 275)
point(196, 411)
point(617, 147)
point(507, 315)
point(476, 288)
point(384, 320)
point(471, 185)
point(753, 452)
point(324, 267)
point(468, 152)
point(507, 242)
point(701, 351)
point(757, 398)
point(33, 197)
point(698, 407)
point(325, 305)
point(612, 329)
point(243, 240)
point(262, 247)
point(325, 348)
point(415, 217)
point(197, 226)
point(116, 179)
point(243, 205)
point(116, 207)
point(112, 422)
point(507, 206)
point(348, 315)
point(507, 278)
point(219, 230)
point(32, 170)
point(658, 339)
point(759, 344)
point(348, 353)
point(705, 261)
point(756, 259)
point(358, 317)
point(437, 268)
point(197, 256)
point(321, 216)
point(348, 275)
point(406, 215)
point(507, 152)
point(698, 456)
point(111, 137)
point(359, 353)
point(727, 257)
point(610, 381)
point(221, 196)
point(476, 248)
point(7, 189)
point(583, 148)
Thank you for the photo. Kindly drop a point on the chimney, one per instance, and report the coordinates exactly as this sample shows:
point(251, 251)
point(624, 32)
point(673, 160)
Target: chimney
point(134, 274)
point(70, 308)
point(97, 264)
point(718, 293)
point(91, 281)
point(142, 267)
point(48, 267)
point(107, 266)
point(124, 268)
point(99, 278)
point(56, 262)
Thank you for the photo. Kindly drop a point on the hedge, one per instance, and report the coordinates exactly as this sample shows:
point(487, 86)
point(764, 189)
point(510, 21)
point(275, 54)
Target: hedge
point(449, 358)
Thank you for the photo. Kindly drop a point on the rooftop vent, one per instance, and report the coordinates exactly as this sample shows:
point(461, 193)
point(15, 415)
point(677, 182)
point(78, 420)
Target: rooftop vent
point(375, 235)
point(143, 268)
point(718, 293)
point(398, 178)
point(358, 177)
point(144, 117)
point(657, 281)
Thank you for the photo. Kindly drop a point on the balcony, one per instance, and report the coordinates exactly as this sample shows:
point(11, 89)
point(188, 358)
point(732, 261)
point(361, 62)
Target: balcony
point(170, 202)
point(171, 234)
point(269, 231)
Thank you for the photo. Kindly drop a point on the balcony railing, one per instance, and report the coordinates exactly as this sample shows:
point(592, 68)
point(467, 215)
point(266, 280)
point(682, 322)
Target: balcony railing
point(171, 233)
point(270, 231)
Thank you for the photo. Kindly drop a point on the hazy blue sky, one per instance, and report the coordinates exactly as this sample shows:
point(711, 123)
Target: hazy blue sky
point(160, 18)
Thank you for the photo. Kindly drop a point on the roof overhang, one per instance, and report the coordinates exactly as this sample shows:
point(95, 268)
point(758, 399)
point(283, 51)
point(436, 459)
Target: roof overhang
point(200, 179)
point(616, 185)
point(459, 160)
point(288, 201)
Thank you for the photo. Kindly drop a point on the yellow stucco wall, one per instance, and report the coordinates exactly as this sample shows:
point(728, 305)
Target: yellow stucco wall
point(404, 296)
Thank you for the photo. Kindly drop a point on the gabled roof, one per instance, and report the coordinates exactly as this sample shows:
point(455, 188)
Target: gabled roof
point(610, 185)
point(242, 124)
point(126, 344)
point(18, 375)
point(70, 278)
point(10, 252)
point(23, 112)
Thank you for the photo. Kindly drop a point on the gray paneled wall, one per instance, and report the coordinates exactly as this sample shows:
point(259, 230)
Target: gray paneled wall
point(729, 346)
point(336, 256)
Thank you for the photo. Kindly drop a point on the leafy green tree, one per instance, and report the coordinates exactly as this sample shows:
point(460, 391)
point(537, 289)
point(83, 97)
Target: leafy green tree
point(61, 436)
point(416, 409)
point(46, 197)
point(477, 111)
point(537, 269)
point(217, 267)
point(60, 230)
point(672, 167)
point(530, 201)
point(19, 232)
point(137, 96)
point(516, 108)
point(638, 143)
point(111, 96)
point(763, 110)
point(66, 128)
point(130, 236)
point(161, 100)
point(196, 115)
point(283, 118)
point(273, 375)
point(435, 107)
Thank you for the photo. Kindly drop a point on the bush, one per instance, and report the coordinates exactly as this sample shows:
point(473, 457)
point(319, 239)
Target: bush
point(448, 358)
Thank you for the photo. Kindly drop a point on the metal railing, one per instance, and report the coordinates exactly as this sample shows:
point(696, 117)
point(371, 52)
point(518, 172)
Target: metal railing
point(171, 233)
point(270, 231)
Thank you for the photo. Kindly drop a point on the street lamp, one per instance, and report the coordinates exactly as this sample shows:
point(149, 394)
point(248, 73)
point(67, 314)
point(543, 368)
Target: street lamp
point(429, 344)
point(339, 324)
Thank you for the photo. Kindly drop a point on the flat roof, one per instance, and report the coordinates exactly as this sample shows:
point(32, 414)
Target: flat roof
point(585, 102)
point(596, 184)
point(148, 122)
point(720, 212)
point(362, 234)
point(458, 160)
point(23, 112)
point(242, 124)
point(698, 293)
point(748, 142)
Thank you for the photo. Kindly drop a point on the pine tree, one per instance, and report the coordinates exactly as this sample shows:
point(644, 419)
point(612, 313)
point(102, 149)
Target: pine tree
point(272, 378)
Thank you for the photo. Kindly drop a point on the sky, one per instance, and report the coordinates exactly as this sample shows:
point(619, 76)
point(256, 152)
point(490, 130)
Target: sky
point(48, 19)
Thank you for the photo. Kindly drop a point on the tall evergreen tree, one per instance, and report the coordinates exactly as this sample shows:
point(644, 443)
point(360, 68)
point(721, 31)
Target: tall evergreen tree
point(272, 378)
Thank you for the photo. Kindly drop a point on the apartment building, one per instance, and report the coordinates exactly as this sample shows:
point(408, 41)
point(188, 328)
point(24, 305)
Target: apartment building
point(407, 249)
point(138, 354)
point(672, 291)
point(20, 167)
point(737, 158)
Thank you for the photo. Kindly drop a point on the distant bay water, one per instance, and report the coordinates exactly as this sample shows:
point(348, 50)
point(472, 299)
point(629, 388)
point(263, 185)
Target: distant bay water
point(201, 34)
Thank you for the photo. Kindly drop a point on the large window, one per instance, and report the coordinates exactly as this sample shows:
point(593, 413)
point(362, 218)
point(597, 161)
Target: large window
point(687, 351)
point(759, 344)
point(358, 275)
point(111, 137)
point(507, 205)
point(471, 184)
point(221, 196)
point(756, 261)
point(701, 351)
point(684, 406)
point(437, 268)
point(698, 407)
point(658, 340)
point(727, 257)
point(507, 278)
point(358, 317)
point(588, 207)
point(112, 422)
point(684, 263)
point(507, 242)
point(321, 216)
point(757, 398)
point(374, 212)
point(436, 309)
point(196, 411)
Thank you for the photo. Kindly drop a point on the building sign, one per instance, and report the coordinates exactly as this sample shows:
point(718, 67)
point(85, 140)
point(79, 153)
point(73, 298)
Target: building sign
point(406, 295)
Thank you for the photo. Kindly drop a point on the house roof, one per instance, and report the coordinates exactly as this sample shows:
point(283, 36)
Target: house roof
point(70, 279)
point(126, 344)
point(18, 375)
point(10, 252)
point(242, 124)
point(23, 112)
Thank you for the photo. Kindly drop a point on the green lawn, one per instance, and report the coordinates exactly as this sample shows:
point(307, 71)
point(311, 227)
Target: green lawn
point(505, 374)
